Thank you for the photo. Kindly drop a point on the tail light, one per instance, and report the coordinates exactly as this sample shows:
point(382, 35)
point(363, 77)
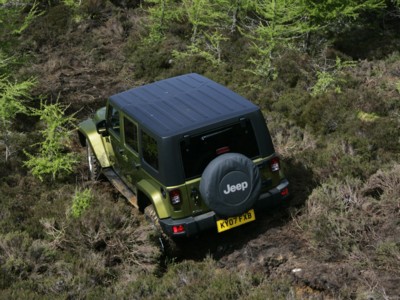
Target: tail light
point(175, 197)
point(285, 192)
point(178, 229)
point(274, 164)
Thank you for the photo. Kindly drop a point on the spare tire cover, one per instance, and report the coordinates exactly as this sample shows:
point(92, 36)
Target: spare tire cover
point(230, 184)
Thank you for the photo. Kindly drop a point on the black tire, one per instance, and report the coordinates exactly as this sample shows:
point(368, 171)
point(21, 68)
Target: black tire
point(94, 166)
point(168, 245)
point(230, 184)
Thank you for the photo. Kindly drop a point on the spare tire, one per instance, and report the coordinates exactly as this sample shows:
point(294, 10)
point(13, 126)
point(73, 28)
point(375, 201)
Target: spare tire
point(230, 184)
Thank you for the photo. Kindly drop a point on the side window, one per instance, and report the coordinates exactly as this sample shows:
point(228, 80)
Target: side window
point(150, 150)
point(113, 120)
point(131, 135)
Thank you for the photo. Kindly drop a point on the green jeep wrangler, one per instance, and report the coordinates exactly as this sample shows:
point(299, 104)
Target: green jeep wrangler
point(188, 152)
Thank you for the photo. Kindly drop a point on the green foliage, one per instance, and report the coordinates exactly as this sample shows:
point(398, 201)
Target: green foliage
point(12, 98)
point(76, 7)
point(367, 117)
point(331, 79)
point(204, 14)
point(81, 202)
point(52, 158)
point(16, 17)
point(283, 23)
point(161, 14)
point(81, 10)
point(207, 47)
point(288, 25)
point(208, 18)
point(33, 13)
point(4, 61)
point(398, 86)
point(74, 4)
point(335, 10)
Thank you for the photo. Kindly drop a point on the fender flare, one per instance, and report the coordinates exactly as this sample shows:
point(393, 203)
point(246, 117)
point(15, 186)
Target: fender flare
point(155, 197)
point(87, 131)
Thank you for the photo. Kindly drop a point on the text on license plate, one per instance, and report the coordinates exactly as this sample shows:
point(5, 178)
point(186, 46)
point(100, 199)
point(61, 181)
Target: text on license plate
point(232, 222)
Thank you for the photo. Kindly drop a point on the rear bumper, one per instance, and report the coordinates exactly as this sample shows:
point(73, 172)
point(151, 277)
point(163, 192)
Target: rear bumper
point(197, 224)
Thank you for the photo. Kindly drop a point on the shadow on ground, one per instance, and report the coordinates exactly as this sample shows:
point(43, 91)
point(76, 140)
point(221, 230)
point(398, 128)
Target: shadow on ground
point(218, 245)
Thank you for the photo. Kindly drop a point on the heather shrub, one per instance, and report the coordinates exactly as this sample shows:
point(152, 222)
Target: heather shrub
point(50, 28)
point(344, 218)
point(322, 120)
point(185, 279)
point(152, 59)
point(332, 220)
point(23, 257)
point(292, 103)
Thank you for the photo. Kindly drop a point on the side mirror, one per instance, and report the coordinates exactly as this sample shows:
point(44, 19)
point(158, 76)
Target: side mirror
point(102, 128)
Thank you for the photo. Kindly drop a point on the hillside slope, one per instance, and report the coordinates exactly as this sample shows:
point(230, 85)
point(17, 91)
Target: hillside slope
point(334, 114)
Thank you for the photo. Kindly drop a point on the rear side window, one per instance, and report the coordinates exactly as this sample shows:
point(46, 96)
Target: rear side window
point(197, 151)
point(131, 135)
point(113, 120)
point(150, 150)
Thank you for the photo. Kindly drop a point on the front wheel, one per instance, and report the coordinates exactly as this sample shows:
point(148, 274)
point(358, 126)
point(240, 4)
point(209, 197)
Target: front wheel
point(93, 163)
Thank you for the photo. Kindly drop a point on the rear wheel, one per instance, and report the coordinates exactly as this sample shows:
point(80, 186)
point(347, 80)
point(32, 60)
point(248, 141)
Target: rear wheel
point(168, 244)
point(93, 163)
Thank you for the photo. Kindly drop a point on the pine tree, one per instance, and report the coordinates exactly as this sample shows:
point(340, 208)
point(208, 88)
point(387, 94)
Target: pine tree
point(12, 97)
point(325, 12)
point(211, 22)
point(279, 23)
point(161, 14)
point(52, 157)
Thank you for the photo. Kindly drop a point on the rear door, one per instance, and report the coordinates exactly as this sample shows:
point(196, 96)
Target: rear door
point(131, 167)
point(199, 150)
point(115, 132)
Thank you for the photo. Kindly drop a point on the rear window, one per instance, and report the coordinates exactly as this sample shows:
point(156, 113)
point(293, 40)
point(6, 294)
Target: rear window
point(197, 151)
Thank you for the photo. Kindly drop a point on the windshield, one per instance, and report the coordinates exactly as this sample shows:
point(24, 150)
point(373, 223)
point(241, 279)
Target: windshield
point(197, 151)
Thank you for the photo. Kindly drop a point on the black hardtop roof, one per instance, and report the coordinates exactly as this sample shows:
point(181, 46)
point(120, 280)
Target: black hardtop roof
point(179, 104)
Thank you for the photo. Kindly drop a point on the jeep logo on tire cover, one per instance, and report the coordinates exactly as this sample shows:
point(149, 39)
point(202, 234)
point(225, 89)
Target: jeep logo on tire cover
point(235, 187)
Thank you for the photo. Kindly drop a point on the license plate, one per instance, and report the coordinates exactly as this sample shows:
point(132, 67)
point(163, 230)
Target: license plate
point(232, 222)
